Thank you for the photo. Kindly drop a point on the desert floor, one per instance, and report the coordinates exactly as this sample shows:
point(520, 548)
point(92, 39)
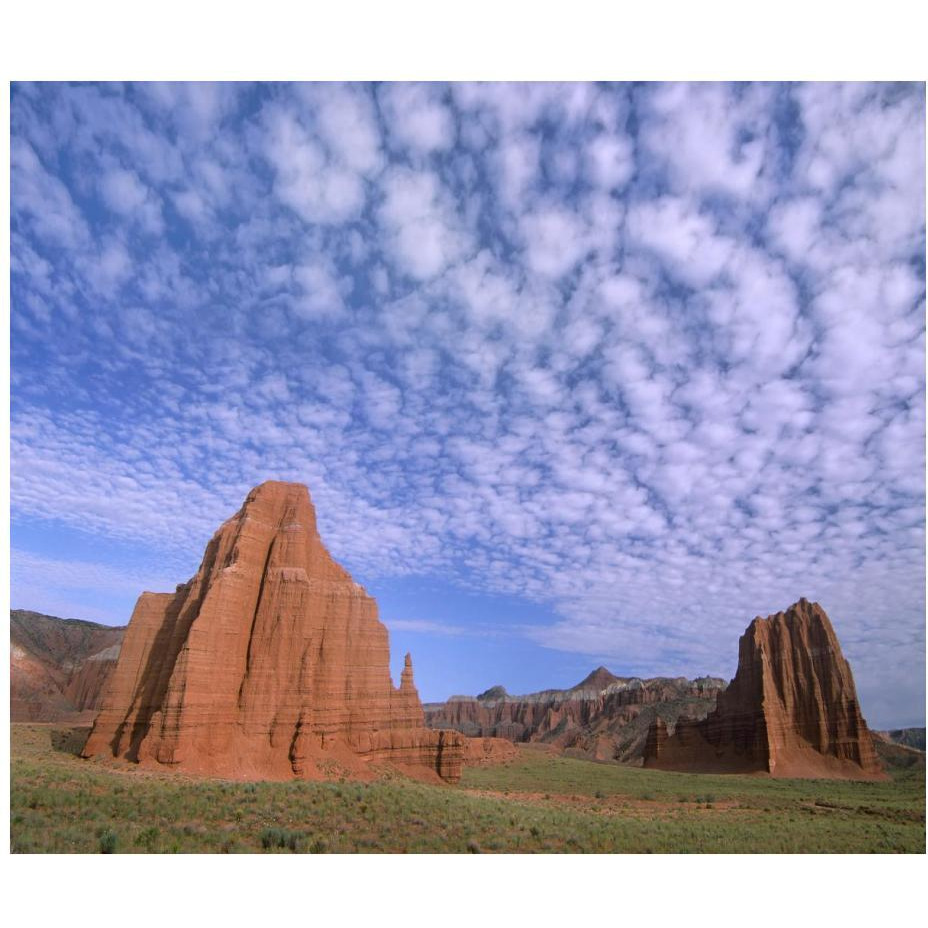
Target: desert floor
point(539, 803)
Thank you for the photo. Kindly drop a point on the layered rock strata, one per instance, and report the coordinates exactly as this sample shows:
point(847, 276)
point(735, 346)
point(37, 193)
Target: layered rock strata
point(603, 717)
point(485, 752)
point(269, 663)
point(59, 667)
point(790, 711)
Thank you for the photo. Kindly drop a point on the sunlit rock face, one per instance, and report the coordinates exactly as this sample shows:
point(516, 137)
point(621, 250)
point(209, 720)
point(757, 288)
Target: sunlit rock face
point(270, 662)
point(791, 710)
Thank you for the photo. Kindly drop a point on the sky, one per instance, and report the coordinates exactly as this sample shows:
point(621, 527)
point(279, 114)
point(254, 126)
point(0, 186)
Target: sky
point(576, 374)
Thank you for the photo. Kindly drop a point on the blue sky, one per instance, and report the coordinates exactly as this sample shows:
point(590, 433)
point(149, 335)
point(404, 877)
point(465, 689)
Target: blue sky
point(576, 373)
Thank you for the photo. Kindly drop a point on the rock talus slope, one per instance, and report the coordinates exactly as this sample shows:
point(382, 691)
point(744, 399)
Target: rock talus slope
point(270, 662)
point(790, 711)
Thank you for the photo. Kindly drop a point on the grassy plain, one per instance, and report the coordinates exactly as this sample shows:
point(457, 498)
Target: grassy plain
point(538, 803)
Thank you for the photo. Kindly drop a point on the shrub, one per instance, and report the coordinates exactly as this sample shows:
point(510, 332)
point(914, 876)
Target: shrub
point(108, 842)
point(147, 838)
point(280, 838)
point(272, 837)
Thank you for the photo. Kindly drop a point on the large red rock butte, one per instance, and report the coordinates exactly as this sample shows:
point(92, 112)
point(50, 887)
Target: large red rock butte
point(270, 663)
point(790, 711)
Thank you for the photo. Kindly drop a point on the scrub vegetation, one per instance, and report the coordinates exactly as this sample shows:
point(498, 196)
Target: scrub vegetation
point(538, 803)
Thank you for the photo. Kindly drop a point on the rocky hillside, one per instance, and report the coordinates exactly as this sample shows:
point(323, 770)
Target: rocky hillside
point(604, 716)
point(58, 667)
point(908, 737)
point(895, 751)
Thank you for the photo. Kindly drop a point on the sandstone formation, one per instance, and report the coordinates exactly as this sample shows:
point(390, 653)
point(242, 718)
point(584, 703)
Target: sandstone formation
point(604, 717)
point(269, 663)
point(790, 711)
point(484, 752)
point(59, 667)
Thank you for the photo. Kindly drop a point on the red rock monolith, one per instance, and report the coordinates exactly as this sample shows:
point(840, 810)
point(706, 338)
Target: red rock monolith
point(270, 663)
point(790, 711)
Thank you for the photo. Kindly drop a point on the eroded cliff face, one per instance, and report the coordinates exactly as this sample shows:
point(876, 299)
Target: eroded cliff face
point(604, 717)
point(790, 711)
point(269, 663)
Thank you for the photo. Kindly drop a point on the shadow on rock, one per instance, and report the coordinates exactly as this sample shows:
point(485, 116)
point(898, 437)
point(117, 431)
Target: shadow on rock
point(70, 740)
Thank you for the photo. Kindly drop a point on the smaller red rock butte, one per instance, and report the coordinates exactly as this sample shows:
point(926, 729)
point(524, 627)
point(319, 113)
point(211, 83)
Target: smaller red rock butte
point(791, 710)
point(270, 663)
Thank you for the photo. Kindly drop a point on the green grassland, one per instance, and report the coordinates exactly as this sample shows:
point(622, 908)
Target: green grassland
point(538, 803)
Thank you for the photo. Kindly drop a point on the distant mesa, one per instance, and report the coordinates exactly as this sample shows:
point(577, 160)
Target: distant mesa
point(791, 710)
point(603, 717)
point(913, 738)
point(898, 748)
point(270, 663)
point(59, 667)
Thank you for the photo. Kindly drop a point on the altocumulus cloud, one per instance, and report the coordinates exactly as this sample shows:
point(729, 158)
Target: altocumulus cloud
point(652, 357)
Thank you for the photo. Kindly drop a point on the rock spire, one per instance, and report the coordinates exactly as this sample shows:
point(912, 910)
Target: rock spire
point(790, 711)
point(270, 662)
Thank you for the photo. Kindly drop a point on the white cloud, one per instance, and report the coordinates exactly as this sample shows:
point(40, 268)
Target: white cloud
point(712, 137)
point(125, 194)
point(317, 188)
point(519, 158)
point(321, 290)
point(416, 116)
point(111, 268)
point(43, 200)
point(424, 235)
point(522, 370)
point(347, 124)
point(795, 225)
point(612, 160)
point(682, 235)
point(555, 240)
point(426, 627)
